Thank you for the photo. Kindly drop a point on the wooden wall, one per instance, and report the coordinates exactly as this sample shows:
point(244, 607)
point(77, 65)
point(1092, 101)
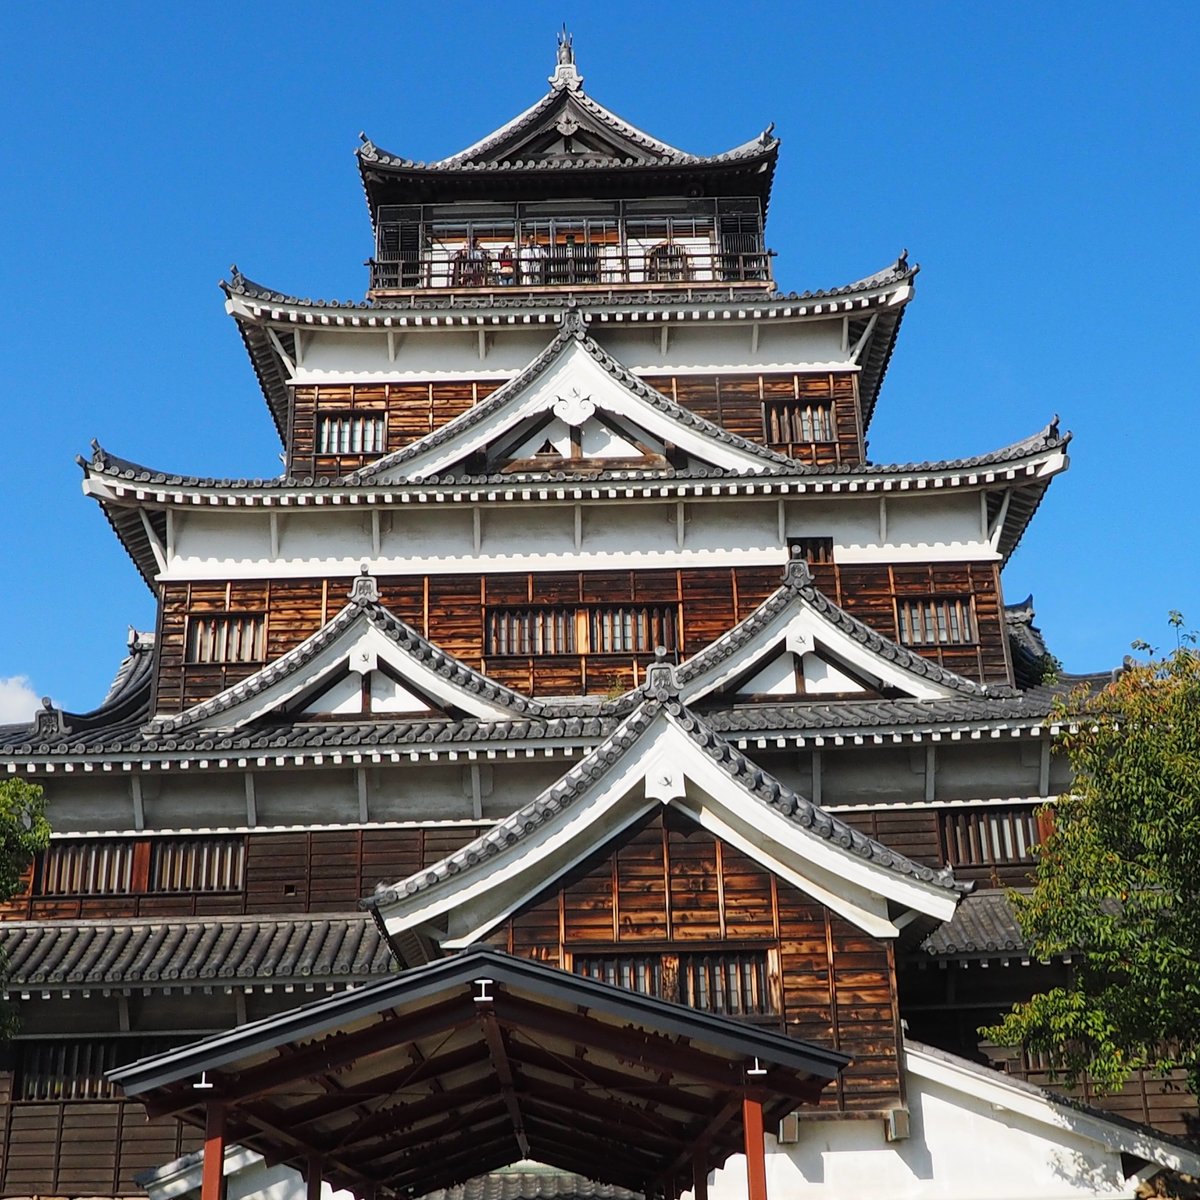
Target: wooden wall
point(673, 886)
point(870, 591)
point(295, 872)
point(734, 401)
point(82, 1148)
point(451, 611)
point(411, 410)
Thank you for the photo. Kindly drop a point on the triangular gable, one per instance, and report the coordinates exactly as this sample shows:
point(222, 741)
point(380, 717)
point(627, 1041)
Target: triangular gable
point(579, 399)
point(663, 754)
point(801, 645)
point(364, 661)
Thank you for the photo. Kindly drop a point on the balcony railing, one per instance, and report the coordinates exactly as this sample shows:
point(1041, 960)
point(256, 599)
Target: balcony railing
point(492, 265)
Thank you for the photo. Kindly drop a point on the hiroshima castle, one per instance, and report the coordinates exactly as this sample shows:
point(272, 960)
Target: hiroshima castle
point(582, 772)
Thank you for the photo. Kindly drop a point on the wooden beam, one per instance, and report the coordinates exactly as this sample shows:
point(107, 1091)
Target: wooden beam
point(719, 1120)
point(756, 1158)
point(156, 547)
point(699, 1175)
point(212, 1178)
point(860, 345)
point(339, 1049)
point(504, 1073)
point(312, 1178)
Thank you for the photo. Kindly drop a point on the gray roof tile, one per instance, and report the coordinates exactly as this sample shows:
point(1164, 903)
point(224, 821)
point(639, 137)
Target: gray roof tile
point(66, 953)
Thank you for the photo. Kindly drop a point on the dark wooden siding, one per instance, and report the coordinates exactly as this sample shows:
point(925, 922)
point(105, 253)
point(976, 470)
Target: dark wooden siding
point(83, 1148)
point(733, 401)
point(737, 403)
point(409, 412)
point(304, 871)
point(451, 611)
point(674, 886)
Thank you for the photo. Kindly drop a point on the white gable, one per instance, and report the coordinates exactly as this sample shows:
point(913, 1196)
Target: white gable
point(664, 765)
point(325, 674)
point(581, 394)
point(798, 643)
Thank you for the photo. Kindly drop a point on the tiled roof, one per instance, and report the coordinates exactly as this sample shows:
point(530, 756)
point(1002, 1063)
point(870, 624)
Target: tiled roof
point(1046, 440)
point(661, 696)
point(983, 925)
point(179, 952)
point(532, 1185)
point(798, 582)
point(566, 101)
point(573, 330)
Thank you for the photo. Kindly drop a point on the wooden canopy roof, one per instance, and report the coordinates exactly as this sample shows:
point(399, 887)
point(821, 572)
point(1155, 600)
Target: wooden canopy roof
point(473, 1062)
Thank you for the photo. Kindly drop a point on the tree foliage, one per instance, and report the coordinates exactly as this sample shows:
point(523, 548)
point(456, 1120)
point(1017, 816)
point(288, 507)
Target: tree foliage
point(1118, 881)
point(24, 831)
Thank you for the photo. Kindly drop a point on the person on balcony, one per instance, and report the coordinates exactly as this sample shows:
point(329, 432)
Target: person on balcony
point(505, 267)
point(471, 265)
point(532, 261)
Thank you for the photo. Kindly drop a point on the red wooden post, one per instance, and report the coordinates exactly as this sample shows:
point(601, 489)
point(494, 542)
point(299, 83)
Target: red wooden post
point(312, 1177)
point(699, 1175)
point(756, 1155)
point(212, 1180)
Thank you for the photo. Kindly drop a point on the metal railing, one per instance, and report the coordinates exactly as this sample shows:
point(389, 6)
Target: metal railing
point(492, 267)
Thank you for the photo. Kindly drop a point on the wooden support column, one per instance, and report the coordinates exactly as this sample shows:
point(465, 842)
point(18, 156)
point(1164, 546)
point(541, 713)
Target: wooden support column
point(312, 1178)
point(756, 1156)
point(212, 1180)
point(700, 1175)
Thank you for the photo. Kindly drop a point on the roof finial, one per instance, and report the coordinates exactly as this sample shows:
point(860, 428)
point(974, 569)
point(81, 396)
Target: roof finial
point(364, 590)
point(565, 74)
point(566, 47)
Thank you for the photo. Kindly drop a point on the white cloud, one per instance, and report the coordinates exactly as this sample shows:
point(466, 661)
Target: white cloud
point(18, 701)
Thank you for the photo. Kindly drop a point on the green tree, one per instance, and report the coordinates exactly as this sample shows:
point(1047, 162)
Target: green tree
point(1118, 881)
point(24, 831)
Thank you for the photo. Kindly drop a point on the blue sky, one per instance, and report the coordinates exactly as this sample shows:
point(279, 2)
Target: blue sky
point(1038, 160)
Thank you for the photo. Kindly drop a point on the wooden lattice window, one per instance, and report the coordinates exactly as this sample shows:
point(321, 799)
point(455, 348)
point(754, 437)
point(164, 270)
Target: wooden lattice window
point(993, 836)
point(789, 422)
point(120, 867)
point(352, 433)
point(594, 629)
point(74, 1068)
point(735, 982)
point(530, 631)
point(225, 637)
point(936, 621)
point(811, 549)
point(197, 865)
point(631, 628)
point(99, 868)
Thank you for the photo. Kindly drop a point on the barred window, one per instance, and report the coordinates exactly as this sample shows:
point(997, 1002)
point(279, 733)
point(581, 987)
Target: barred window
point(936, 621)
point(74, 1069)
point(197, 865)
point(988, 836)
point(596, 629)
point(791, 421)
point(530, 631)
point(100, 868)
point(351, 433)
point(117, 867)
point(811, 549)
point(639, 629)
point(735, 982)
point(225, 638)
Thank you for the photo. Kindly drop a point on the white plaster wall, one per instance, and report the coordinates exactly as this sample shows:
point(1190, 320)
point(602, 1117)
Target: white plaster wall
point(960, 1148)
point(235, 543)
point(356, 355)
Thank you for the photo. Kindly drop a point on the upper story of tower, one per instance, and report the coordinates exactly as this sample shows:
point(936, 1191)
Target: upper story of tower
point(569, 195)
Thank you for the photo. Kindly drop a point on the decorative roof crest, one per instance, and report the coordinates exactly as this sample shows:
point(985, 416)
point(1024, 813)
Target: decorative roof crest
point(796, 574)
point(365, 590)
point(48, 720)
point(565, 73)
point(661, 683)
